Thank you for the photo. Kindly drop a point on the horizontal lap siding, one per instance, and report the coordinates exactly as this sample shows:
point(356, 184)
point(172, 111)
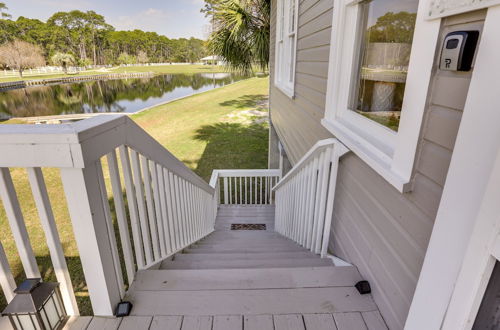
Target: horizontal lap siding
point(297, 121)
point(383, 232)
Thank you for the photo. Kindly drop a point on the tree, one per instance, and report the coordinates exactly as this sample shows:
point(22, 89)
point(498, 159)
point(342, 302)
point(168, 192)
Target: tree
point(125, 58)
point(21, 55)
point(393, 27)
point(88, 37)
point(241, 34)
point(142, 57)
point(3, 8)
point(63, 59)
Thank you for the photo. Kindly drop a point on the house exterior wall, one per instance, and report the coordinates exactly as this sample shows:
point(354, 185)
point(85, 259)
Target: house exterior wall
point(375, 227)
point(297, 121)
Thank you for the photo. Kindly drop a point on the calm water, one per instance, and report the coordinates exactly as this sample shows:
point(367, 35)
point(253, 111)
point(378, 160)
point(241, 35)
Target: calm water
point(123, 95)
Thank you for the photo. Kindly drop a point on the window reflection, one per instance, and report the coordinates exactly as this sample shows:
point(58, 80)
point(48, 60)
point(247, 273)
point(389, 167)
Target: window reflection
point(386, 35)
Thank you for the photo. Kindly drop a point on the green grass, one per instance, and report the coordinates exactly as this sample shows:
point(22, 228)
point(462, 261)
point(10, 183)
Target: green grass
point(210, 130)
point(159, 69)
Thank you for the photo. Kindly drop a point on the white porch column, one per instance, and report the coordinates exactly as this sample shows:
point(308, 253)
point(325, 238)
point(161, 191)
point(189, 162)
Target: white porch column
point(476, 148)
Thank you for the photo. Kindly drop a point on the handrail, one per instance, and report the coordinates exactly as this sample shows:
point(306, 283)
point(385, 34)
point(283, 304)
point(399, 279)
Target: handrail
point(304, 197)
point(83, 142)
point(315, 149)
point(169, 206)
point(245, 186)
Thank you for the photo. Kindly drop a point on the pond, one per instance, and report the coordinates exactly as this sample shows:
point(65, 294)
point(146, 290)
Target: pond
point(111, 95)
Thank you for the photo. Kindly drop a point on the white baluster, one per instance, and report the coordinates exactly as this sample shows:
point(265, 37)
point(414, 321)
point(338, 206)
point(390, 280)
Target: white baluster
point(48, 222)
point(121, 216)
point(17, 224)
point(150, 207)
point(132, 206)
point(141, 204)
point(157, 207)
point(6, 279)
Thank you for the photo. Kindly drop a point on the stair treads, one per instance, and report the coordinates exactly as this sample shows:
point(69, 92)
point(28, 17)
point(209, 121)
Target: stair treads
point(248, 244)
point(243, 249)
point(251, 302)
point(245, 279)
point(244, 263)
point(244, 256)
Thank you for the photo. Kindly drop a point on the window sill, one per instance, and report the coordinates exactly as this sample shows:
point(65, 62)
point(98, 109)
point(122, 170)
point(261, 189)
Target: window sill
point(286, 90)
point(377, 156)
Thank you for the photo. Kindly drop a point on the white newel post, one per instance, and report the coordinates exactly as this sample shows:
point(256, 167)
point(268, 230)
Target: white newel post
point(88, 215)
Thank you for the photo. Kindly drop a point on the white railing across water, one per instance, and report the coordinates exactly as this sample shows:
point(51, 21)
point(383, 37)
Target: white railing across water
point(245, 187)
point(162, 202)
point(304, 197)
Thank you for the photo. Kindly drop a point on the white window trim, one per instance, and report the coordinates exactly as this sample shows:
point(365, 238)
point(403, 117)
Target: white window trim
point(389, 153)
point(283, 57)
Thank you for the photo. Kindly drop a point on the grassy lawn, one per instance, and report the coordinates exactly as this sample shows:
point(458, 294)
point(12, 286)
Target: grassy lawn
point(159, 69)
point(221, 128)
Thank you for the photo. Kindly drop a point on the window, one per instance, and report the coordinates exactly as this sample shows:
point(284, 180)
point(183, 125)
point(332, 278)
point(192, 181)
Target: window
point(286, 43)
point(385, 37)
point(381, 58)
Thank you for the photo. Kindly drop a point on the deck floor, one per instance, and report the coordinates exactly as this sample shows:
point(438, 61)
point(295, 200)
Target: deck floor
point(335, 321)
point(247, 279)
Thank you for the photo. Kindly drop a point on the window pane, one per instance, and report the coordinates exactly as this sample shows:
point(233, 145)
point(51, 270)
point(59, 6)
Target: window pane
point(386, 34)
point(291, 4)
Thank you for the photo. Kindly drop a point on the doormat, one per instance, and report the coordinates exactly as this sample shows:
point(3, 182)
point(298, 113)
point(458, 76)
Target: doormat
point(248, 226)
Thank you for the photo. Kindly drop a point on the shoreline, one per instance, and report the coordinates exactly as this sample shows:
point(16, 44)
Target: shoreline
point(56, 119)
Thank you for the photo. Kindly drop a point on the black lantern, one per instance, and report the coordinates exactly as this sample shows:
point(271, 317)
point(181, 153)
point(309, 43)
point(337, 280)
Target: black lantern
point(36, 306)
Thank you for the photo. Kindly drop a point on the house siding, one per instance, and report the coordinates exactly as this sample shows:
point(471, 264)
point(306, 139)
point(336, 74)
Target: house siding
point(297, 121)
point(375, 227)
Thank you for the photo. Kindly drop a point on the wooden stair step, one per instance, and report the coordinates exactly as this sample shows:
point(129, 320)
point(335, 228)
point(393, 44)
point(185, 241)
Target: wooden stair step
point(245, 279)
point(243, 249)
point(245, 263)
point(250, 302)
point(244, 256)
point(269, 244)
point(241, 242)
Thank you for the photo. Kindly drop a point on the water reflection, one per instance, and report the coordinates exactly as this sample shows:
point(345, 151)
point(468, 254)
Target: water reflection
point(123, 95)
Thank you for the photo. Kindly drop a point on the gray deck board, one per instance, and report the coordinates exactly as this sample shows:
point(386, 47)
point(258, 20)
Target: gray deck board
point(270, 278)
point(244, 263)
point(319, 322)
point(276, 301)
point(288, 322)
point(166, 323)
point(135, 322)
point(191, 322)
point(228, 322)
point(246, 256)
point(374, 320)
point(258, 322)
point(104, 323)
point(349, 321)
point(77, 323)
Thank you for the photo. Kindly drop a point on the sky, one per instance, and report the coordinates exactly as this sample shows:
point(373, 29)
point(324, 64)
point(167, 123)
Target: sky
point(173, 18)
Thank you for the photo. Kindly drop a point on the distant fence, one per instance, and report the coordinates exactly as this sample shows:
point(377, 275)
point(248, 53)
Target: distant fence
point(23, 84)
point(158, 64)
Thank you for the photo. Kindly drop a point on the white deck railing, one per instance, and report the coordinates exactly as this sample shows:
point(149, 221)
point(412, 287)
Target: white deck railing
point(304, 197)
point(245, 187)
point(163, 203)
